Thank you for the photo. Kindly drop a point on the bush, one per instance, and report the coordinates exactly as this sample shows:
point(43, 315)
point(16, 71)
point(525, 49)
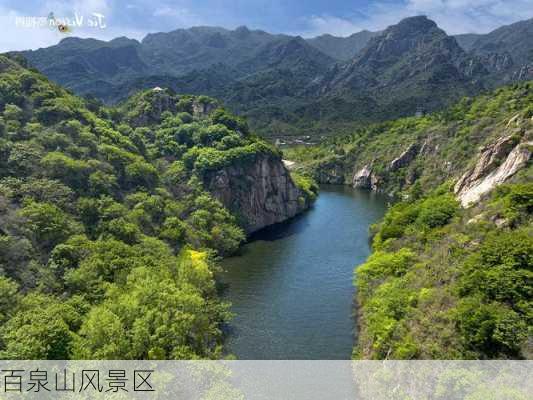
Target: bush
point(438, 211)
point(73, 173)
point(489, 329)
point(307, 186)
point(47, 225)
point(140, 173)
point(379, 267)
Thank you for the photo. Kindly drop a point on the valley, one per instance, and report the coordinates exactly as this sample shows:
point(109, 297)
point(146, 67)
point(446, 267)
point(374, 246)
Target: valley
point(160, 199)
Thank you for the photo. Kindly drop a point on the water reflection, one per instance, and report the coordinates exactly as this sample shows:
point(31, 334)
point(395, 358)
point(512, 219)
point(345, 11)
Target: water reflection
point(291, 287)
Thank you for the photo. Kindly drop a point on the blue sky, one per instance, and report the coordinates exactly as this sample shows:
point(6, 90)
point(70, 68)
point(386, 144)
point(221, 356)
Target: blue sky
point(136, 18)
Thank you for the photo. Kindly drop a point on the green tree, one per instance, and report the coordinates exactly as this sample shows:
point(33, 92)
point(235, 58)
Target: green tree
point(47, 225)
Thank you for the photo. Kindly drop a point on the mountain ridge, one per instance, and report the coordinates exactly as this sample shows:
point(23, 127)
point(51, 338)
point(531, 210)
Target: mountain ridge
point(287, 84)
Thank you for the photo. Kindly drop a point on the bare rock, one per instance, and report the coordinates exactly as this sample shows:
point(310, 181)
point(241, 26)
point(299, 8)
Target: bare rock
point(332, 172)
point(496, 164)
point(202, 109)
point(366, 179)
point(290, 165)
point(260, 193)
point(405, 158)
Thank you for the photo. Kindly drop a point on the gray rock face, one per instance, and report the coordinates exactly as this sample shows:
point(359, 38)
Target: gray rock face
point(496, 164)
point(365, 179)
point(332, 173)
point(259, 193)
point(202, 110)
point(405, 158)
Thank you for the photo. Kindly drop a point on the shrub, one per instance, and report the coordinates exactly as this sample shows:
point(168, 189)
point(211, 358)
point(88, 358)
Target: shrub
point(437, 211)
point(47, 225)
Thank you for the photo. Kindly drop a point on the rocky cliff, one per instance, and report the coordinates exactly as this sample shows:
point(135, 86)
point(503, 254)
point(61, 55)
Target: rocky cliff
point(490, 171)
point(260, 192)
point(479, 143)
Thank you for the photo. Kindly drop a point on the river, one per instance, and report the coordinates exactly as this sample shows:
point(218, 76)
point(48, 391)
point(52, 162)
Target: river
point(291, 288)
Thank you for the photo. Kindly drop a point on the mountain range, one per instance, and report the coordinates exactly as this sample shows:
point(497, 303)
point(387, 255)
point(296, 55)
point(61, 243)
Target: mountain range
point(287, 85)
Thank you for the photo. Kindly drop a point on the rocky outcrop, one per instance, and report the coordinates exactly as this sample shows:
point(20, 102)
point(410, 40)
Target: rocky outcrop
point(260, 193)
point(365, 179)
point(332, 172)
point(496, 164)
point(202, 109)
point(405, 158)
point(290, 165)
point(160, 100)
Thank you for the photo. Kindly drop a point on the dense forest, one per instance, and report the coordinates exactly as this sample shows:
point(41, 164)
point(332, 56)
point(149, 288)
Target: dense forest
point(108, 238)
point(443, 281)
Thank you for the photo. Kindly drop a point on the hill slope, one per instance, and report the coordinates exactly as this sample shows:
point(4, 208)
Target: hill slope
point(450, 276)
point(342, 48)
point(507, 52)
point(111, 219)
point(414, 62)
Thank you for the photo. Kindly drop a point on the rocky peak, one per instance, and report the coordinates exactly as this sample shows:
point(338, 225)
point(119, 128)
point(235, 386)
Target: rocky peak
point(292, 53)
point(413, 25)
point(146, 107)
point(408, 35)
point(415, 54)
point(242, 32)
point(202, 109)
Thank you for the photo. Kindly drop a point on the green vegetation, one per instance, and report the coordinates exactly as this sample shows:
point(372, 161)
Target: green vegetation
point(443, 284)
point(307, 186)
point(286, 85)
point(108, 238)
point(445, 142)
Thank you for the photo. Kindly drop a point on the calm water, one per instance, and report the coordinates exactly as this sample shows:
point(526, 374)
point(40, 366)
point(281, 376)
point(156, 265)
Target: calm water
point(291, 288)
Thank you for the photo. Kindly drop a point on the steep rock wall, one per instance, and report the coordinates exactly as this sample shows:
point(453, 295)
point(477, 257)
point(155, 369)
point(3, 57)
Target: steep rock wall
point(260, 192)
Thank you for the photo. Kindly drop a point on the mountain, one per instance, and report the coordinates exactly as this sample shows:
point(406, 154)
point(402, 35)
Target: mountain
point(342, 48)
point(466, 40)
point(414, 62)
point(288, 86)
point(84, 65)
point(507, 52)
point(246, 68)
point(185, 50)
point(77, 63)
point(111, 219)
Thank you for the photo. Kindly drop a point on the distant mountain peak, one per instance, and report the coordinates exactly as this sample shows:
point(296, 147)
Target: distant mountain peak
point(242, 30)
point(342, 48)
point(416, 23)
point(410, 34)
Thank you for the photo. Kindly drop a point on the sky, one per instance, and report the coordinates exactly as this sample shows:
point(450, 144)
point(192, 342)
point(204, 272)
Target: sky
point(107, 19)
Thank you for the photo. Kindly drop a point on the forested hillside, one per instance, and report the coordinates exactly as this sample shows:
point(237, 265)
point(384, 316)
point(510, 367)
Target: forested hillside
point(451, 274)
point(108, 235)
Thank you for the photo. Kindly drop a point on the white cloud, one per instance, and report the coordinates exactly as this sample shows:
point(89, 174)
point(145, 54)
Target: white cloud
point(454, 16)
point(15, 37)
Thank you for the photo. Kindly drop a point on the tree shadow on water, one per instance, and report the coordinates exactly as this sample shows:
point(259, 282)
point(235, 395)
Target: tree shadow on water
point(282, 230)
